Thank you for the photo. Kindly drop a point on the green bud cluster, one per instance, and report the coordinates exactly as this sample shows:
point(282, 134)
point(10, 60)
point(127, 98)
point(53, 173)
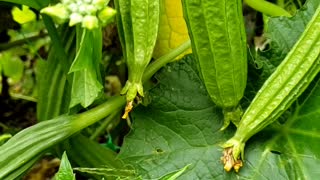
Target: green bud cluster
point(90, 13)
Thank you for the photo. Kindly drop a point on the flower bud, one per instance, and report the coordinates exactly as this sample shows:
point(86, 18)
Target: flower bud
point(91, 9)
point(58, 12)
point(106, 15)
point(90, 22)
point(73, 7)
point(75, 18)
point(83, 9)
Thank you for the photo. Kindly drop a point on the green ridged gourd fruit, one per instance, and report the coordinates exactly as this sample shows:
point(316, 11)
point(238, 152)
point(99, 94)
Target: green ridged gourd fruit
point(218, 38)
point(281, 89)
point(138, 24)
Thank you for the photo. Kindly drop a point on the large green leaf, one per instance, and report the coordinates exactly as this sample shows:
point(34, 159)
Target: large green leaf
point(181, 127)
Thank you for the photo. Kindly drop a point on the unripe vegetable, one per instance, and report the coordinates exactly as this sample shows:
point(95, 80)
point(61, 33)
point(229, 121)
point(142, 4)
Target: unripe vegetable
point(218, 39)
point(138, 22)
point(283, 87)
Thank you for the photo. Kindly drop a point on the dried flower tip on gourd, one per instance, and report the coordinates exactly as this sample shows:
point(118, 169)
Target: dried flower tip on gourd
point(106, 15)
point(127, 110)
point(227, 159)
point(58, 12)
point(90, 22)
point(229, 162)
point(75, 18)
point(237, 165)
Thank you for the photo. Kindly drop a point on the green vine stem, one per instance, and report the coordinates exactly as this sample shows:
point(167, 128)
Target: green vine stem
point(6, 46)
point(162, 61)
point(150, 71)
point(267, 8)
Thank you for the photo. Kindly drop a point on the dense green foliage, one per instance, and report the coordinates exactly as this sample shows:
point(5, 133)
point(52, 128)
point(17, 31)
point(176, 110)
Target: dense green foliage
point(176, 128)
